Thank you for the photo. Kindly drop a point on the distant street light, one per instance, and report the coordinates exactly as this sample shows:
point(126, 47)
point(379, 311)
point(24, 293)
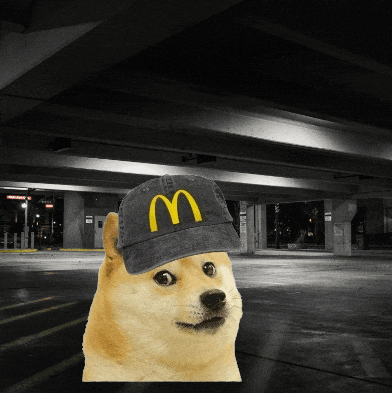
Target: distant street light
point(26, 227)
point(24, 205)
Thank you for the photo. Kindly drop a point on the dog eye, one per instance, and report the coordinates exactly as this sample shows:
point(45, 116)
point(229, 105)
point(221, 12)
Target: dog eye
point(165, 278)
point(209, 269)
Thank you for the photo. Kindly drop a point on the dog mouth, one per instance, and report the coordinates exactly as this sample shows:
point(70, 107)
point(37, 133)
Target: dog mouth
point(208, 324)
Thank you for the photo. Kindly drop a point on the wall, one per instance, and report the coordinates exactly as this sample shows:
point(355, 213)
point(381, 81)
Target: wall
point(73, 232)
point(374, 215)
point(97, 205)
point(78, 231)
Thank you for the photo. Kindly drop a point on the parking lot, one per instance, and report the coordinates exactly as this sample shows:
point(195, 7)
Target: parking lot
point(312, 323)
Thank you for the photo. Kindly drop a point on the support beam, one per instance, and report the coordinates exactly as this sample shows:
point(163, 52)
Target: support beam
point(73, 236)
point(261, 226)
point(328, 229)
point(70, 37)
point(343, 212)
point(53, 160)
point(22, 52)
point(235, 114)
point(247, 228)
point(250, 229)
point(317, 45)
point(306, 132)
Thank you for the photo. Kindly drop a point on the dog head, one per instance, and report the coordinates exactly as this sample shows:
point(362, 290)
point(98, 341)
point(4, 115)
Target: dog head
point(190, 305)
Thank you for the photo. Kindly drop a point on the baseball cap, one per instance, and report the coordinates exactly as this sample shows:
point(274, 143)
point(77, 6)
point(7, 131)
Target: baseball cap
point(172, 217)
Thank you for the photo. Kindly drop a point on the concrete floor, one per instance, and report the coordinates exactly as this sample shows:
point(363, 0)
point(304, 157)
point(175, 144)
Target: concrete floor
point(312, 323)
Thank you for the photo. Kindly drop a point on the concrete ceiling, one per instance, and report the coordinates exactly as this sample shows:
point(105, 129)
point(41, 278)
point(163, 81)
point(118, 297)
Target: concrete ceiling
point(277, 100)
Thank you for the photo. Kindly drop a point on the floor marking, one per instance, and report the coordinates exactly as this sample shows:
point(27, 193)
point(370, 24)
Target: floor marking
point(18, 250)
point(44, 333)
point(369, 361)
point(30, 314)
point(81, 249)
point(42, 376)
point(25, 303)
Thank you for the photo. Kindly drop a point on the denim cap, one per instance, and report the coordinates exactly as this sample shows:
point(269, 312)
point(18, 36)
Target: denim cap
point(172, 217)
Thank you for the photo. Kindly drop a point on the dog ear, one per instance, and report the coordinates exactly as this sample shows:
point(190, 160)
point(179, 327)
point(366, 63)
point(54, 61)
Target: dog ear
point(110, 236)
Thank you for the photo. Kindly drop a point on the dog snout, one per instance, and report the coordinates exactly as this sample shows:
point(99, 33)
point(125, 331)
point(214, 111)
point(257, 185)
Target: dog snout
point(214, 300)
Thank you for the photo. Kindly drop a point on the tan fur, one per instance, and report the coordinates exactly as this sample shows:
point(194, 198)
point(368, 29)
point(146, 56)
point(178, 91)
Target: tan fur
point(131, 334)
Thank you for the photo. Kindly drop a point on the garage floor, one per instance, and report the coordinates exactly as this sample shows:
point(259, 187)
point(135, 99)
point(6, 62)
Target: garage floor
point(312, 323)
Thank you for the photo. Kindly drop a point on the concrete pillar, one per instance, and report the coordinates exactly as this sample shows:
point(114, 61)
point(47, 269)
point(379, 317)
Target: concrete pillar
point(261, 226)
point(5, 240)
point(328, 228)
point(343, 212)
point(73, 235)
point(243, 231)
point(250, 229)
point(247, 228)
point(15, 240)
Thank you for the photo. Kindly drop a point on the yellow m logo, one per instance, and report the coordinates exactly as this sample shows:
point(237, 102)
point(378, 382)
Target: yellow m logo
point(172, 207)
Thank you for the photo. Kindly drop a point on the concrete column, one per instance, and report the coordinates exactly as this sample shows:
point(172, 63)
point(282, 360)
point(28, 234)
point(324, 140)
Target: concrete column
point(243, 231)
point(261, 226)
point(73, 235)
point(250, 229)
point(247, 228)
point(328, 228)
point(343, 212)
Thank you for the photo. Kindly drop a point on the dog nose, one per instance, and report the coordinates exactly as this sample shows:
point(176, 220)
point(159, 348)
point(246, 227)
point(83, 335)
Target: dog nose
point(214, 299)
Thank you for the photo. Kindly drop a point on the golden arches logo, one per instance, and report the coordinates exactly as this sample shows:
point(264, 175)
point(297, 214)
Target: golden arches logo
point(172, 208)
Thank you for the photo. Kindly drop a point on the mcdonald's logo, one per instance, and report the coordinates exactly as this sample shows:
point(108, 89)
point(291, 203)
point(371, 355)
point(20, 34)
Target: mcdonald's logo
point(172, 208)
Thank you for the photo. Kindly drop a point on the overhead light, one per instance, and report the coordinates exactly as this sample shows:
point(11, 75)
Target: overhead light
point(14, 188)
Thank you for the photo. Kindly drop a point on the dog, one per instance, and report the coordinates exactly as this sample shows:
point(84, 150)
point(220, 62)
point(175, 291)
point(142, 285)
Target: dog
point(176, 322)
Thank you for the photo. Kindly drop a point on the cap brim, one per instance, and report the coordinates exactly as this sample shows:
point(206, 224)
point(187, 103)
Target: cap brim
point(145, 256)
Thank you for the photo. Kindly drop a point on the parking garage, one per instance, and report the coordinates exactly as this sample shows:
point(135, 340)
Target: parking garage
point(282, 104)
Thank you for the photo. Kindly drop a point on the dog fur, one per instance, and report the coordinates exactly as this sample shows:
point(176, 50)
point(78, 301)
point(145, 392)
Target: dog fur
point(138, 330)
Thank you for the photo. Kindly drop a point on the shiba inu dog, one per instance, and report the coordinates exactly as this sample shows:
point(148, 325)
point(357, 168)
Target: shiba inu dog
point(166, 306)
point(177, 322)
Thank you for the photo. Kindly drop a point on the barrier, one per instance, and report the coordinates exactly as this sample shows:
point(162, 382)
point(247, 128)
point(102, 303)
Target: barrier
point(8, 238)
